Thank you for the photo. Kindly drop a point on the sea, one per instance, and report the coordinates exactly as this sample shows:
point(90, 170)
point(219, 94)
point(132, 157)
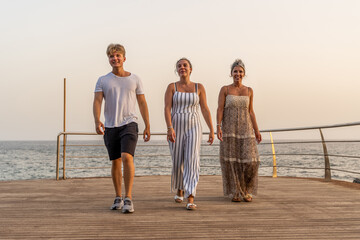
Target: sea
point(24, 160)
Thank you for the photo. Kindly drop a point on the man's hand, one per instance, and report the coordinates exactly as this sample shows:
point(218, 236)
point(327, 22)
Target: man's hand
point(146, 134)
point(99, 126)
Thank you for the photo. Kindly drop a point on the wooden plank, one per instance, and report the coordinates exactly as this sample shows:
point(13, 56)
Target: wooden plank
point(285, 208)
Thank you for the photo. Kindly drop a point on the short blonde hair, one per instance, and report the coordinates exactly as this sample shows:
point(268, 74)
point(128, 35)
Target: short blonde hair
point(115, 48)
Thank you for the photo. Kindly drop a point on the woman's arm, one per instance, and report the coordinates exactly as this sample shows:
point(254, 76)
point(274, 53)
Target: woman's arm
point(167, 111)
point(205, 112)
point(220, 112)
point(253, 118)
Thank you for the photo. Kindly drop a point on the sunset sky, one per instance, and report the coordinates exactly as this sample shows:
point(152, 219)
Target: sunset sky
point(302, 58)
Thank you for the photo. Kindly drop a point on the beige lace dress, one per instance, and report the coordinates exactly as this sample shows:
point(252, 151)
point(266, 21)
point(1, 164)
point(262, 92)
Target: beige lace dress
point(239, 157)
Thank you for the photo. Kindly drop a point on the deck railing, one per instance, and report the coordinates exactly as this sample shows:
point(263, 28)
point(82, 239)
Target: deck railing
point(327, 168)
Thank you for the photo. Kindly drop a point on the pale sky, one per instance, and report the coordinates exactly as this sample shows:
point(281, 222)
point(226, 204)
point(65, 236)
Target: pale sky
point(301, 58)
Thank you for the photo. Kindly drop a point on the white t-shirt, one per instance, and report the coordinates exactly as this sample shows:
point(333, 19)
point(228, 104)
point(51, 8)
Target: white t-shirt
point(120, 98)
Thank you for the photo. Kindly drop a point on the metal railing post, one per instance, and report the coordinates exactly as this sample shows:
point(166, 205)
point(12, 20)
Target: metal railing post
point(274, 157)
point(326, 158)
point(64, 155)
point(57, 156)
point(65, 136)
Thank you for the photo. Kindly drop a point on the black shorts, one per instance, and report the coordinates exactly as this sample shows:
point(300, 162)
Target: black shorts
point(121, 139)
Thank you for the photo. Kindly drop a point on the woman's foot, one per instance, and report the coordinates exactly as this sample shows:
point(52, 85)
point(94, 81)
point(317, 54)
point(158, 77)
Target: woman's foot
point(190, 205)
point(179, 196)
point(236, 198)
point(178, 199)
point(248, 198)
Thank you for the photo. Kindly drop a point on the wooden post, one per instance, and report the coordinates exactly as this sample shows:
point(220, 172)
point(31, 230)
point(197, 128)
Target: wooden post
point(274, 157)
point(326, 158)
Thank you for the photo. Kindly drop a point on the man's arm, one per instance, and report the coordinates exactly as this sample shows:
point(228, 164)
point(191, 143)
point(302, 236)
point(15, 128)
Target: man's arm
point(99, 126)
point(145, 115)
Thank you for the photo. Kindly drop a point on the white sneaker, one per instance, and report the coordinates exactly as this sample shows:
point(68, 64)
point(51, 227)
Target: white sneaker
point(118, 204)
point(128, 206)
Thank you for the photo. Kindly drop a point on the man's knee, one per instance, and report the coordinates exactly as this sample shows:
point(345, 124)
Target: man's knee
point(116, 163)
point(127, 158)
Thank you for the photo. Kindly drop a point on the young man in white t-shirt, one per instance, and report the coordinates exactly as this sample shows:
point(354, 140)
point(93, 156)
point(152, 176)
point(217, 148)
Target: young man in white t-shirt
point(121, 90)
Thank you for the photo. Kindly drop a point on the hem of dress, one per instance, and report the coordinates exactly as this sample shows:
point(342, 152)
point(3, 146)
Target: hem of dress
point(238, 135)
point(230, 159)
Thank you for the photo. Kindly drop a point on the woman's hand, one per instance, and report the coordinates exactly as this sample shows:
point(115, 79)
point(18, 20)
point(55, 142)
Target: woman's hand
point(258, 136)
point(219, 133)
point(211, 138)
point(171, 135)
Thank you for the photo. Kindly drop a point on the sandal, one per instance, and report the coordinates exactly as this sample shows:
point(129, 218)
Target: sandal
point(236, 199)
point(248, 198)
point(178, 199)
point(191, 206)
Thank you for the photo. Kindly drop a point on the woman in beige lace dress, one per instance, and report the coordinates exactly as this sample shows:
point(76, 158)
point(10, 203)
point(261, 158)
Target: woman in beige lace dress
point(238, 132)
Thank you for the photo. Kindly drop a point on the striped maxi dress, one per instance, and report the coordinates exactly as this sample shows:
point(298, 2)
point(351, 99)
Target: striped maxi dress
point(185, 151)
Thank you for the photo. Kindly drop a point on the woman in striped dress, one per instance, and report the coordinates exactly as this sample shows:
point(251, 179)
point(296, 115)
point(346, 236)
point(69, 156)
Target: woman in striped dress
point(238, 132)
point(182, 101)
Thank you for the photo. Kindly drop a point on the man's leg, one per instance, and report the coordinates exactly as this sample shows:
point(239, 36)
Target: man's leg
point(128, 145)
point(129, 173)
point(116, 176)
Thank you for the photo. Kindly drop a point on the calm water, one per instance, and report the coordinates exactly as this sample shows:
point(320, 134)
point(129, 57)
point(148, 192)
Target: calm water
point(21, 160)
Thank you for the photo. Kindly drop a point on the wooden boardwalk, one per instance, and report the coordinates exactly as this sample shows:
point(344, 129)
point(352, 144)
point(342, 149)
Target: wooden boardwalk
point(285, 208)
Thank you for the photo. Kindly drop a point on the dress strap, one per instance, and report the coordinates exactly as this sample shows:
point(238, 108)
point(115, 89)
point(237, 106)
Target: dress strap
point(248, 91)
point(196, 87)
point(175, 87)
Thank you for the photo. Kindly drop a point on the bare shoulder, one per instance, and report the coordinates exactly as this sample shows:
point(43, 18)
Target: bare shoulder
point(251, 92)
point(224, 89)
point(170, 86)
point(200, 86)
